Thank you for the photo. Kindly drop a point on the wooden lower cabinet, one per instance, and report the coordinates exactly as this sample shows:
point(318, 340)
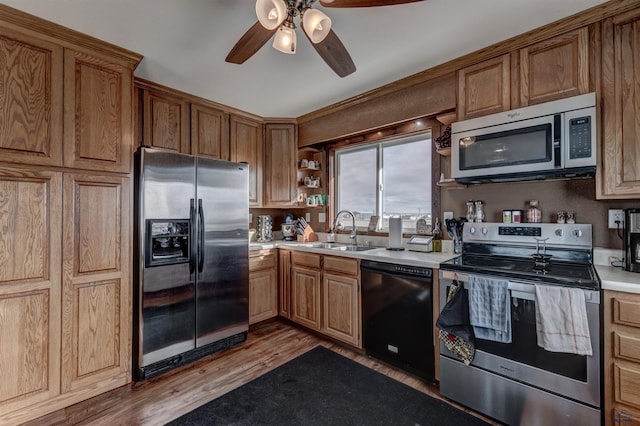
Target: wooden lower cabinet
point(622, 358)
point(341, 307)
point(263, 285)
point(65, 309)
point(324, 295)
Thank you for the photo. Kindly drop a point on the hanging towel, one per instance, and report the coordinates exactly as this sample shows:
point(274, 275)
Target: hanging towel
point(455, 332)
point(561, 320)
point(490, 308)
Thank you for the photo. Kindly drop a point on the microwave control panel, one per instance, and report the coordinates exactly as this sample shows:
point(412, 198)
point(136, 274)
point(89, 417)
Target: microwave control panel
point(580, 137)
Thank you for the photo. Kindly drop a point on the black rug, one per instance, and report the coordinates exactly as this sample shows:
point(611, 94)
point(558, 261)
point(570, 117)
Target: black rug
point(321, 387)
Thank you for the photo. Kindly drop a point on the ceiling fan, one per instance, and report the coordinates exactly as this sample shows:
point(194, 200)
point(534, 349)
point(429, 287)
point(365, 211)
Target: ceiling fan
point(276, 17)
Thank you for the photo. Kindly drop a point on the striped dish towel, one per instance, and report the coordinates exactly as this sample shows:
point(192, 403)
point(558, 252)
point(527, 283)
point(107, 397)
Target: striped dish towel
point(490, 308)
point(561, 320)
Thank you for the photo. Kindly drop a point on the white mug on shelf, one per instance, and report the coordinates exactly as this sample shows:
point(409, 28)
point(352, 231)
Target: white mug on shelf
point(311, 201)
point(304, 163)
point(311, 164)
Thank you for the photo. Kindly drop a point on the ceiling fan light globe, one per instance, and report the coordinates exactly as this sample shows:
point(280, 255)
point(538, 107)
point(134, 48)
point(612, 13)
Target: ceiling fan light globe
point(285, 40)
point(316, 24)
point(271, 13)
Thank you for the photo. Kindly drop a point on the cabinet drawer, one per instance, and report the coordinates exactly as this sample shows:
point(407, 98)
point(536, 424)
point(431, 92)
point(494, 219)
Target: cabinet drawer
point(627, 346)
point(627, 384)
point(261, 261)
point(307, 259)
point(341, 264)
point(626, 312)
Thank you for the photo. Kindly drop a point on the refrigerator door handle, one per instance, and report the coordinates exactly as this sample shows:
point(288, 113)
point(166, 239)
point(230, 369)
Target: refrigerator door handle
point(193, 248)
point(201, 237)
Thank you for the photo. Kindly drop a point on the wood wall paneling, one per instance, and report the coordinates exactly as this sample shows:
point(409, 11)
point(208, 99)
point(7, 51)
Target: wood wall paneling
point(31, 106)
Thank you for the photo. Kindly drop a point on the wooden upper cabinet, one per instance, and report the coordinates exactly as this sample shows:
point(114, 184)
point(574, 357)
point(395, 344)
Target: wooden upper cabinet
point(96, 318)
point(280, 165)
point(618, 173)
point(30, 283)
point(166, 121)
point(209, 132)
point(31, 73)
point(484, 88)
point(98, 101)
point(555, 68)
point(246, 146)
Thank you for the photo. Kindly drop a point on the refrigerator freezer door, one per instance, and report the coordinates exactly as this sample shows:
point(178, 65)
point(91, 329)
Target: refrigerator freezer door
point(222, 293)
point(166, 298)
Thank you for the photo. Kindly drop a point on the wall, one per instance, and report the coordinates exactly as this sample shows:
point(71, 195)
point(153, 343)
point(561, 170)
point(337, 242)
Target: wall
point(566, 195)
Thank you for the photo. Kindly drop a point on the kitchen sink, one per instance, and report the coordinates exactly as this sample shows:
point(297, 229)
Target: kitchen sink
point(334, 246)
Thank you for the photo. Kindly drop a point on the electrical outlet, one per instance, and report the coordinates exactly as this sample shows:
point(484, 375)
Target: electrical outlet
point(322, 217)
point(616, 215)
point(307, 217)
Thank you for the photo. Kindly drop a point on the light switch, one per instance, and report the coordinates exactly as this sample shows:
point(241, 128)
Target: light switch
point(307, 217)
point(322, 217)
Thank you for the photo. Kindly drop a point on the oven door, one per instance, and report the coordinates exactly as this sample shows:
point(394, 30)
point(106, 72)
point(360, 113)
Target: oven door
point(526, 146)
point(573, 376)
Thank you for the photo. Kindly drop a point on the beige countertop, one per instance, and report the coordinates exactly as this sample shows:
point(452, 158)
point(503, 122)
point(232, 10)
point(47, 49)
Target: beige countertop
point(380, 254)
point(617, 279)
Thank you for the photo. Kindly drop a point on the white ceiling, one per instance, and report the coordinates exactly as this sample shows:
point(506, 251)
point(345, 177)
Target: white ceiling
point(184, 43)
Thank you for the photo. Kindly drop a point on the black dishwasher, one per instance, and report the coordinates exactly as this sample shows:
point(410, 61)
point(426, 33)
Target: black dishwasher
point(397, 316)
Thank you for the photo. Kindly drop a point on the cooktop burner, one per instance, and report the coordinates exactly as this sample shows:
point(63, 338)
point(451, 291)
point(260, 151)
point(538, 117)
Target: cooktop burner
point(555, 272)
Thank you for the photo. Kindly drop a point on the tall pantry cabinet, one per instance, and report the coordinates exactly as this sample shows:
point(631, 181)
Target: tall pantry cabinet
point(66, 144)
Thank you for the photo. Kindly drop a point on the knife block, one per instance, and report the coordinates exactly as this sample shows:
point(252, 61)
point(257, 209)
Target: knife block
point(308, 236)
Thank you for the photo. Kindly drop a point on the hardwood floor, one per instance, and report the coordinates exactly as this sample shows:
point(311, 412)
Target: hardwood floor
point(166, 397)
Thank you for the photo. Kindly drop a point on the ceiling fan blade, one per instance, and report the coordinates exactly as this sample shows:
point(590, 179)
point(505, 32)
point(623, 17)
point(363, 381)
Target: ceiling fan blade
point(363, 3)
point(249, 43)
point(334, 54)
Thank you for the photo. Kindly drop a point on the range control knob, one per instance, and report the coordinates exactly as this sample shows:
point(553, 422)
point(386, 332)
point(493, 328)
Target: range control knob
point(577, 233)
point(472, 230)
point(484, 230)
point(559, 232)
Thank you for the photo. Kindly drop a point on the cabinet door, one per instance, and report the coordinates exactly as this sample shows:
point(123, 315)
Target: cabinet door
point(263, 295)
point(341, 308)
point(98, 102)
point(280, 165)
point(555, 68)
point(209, 132)
point(246, 145)
point(284, 283)
point(30, 245)
point(165, 121)
point(96, 318)
point(305, 297)
point(619, 173)
point(484, 88)
point(31, 99)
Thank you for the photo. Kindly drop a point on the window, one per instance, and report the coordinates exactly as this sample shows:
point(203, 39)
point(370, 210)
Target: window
point(385, 179)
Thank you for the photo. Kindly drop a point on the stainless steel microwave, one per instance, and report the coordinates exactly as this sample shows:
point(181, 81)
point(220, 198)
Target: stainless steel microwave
point(549, 140)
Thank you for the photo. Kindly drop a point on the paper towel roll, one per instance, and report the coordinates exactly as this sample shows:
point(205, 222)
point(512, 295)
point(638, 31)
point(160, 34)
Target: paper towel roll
point(395, 232)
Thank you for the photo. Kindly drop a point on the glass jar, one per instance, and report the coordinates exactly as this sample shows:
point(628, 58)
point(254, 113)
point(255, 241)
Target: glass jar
point(479, 211)
point(534, 214)
point(471, 215)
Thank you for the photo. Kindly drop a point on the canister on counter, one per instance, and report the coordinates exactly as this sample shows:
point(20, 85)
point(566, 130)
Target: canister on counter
point(506, 216)
point(516, 216)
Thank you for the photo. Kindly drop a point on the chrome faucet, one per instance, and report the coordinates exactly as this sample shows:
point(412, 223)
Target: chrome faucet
point(353, 236)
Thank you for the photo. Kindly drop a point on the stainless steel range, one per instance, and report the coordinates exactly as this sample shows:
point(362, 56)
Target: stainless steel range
point(520, 382)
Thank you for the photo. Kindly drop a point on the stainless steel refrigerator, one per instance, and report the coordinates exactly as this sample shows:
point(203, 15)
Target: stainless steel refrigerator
point(191, 252)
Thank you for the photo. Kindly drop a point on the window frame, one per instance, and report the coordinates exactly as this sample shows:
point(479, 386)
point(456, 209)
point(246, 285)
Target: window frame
point(430, 133)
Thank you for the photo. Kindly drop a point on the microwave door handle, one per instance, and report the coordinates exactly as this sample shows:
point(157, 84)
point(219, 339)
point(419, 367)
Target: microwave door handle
point(201, 238)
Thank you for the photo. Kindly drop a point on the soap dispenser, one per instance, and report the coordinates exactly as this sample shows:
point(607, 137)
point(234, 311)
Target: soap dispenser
point(331, 237)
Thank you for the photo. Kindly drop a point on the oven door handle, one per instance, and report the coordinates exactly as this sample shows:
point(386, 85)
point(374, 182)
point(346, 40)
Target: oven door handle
point(518, 289)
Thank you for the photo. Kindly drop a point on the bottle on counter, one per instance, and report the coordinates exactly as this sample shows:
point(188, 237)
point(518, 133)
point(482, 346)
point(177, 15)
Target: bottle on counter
point(331, 237)
point(436, 241)
point(534, 214)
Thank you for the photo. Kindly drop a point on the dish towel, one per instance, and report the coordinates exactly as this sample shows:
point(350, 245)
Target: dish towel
point(490, 308)
point(561, 320)
point(455, 332)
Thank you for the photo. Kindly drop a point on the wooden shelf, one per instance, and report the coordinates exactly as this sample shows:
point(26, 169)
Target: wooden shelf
point(447, 118)
point(309, 169)
point(445, 152)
